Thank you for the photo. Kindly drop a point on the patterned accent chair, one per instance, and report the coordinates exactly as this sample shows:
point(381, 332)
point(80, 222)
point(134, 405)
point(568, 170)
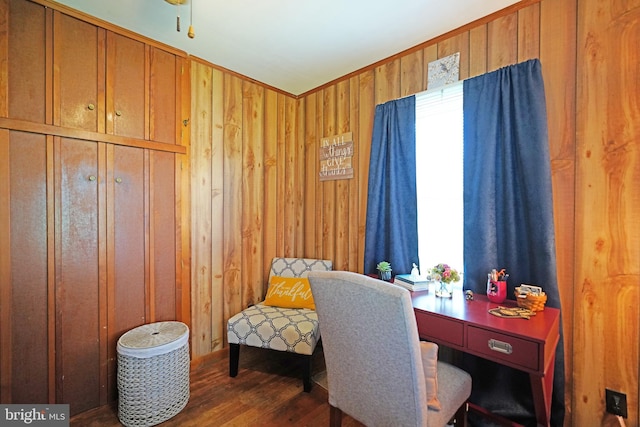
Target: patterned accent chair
point(293, 330)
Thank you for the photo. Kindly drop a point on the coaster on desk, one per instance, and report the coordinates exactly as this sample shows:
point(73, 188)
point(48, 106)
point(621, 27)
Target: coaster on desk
point(512, 312)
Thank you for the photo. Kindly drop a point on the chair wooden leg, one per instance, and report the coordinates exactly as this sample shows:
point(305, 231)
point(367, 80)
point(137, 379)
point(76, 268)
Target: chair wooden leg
point(460, 418)
point(306, 373)
point(234, 357)
point(335, 416)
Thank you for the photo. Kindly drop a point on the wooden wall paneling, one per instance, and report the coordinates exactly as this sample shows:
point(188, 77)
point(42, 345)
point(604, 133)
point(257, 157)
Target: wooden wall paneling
point(163, 95)
point(4, 65)
point(529, 32)
point(271, 202)
point(311, 175)
point(183, 101)
point(75, 73)
point(502, 42)
point(387, 83)
point(127, 248)
point(148, 242)
point(366, 111)
point(218, 220)
point(478, 50)
point(146, 122)
point(281, 187)
point(457, 43)
point(563, 183)
point(182, 192)
point(606, 295)
point(52, 246)
point(291, 178)
point(107, 388)
point(28, 287)
point(127, 203)
point(412, 75)
point(319, 203)
point(329, 187)
point(343, 124)
point(24, 368)
point(252, 214)
point(235, 300)
point(300, 177)
point(78, 275)
point(354, 183)
point(164, 218)
point(201, 158)
point(5, 265)
point(26, 71)
point(101, 104)
point(125, 100)
point(557, 55)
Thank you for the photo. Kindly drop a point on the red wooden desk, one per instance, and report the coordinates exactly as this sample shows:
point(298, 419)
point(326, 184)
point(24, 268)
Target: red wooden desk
point(527, 345)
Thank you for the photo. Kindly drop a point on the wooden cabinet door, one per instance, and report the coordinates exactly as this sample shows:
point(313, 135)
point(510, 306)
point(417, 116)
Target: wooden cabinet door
point(78, 57)
point(163, 232)
point(125, 86)
point(79, 279)
point(163, 96)
point(24, 27)
point(126, 237)
point(24, 285)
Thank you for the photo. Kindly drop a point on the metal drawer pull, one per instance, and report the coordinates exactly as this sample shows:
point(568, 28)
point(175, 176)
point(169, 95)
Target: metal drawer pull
point(500, 346)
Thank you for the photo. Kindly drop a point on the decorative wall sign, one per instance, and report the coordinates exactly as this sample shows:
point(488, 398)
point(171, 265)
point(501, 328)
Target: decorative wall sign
point(444, 71)
point(335, 157)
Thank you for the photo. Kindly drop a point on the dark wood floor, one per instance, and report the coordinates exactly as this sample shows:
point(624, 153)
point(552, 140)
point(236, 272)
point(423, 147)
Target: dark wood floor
point(266, 392)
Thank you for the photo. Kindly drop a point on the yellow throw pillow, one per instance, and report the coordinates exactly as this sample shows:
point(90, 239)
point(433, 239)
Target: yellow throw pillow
point(290, 292)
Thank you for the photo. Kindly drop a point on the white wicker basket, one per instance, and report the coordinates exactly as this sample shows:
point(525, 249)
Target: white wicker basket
point(153, 373)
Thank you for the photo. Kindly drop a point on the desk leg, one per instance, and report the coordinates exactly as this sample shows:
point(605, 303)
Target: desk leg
point(542, 388)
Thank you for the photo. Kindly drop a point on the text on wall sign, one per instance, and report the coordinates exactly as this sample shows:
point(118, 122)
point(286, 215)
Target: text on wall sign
point(336, 153)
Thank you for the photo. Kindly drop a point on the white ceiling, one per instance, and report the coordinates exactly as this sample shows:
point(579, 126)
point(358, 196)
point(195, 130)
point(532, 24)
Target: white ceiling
point(292, 45)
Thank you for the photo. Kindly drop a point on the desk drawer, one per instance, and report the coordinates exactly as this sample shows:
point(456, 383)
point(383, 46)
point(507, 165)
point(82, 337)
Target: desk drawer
point(440, 329)
point(517, 352)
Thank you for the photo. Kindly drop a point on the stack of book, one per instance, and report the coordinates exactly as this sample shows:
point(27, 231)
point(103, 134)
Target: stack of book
point(412, 283)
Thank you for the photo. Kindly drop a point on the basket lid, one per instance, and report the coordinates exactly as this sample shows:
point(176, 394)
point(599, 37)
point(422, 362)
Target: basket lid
point(153, 339)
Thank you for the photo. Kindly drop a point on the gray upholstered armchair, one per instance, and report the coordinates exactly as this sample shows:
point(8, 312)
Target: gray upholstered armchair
point(294, 330)
point(378, 371)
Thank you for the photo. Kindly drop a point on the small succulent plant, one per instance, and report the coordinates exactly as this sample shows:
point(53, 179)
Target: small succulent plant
point(383, 266)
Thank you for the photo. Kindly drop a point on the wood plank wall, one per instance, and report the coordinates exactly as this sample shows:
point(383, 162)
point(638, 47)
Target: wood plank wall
point(256, 194)
point(607, 270)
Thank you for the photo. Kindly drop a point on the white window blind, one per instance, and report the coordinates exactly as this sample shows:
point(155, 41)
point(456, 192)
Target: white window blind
point(439, 151)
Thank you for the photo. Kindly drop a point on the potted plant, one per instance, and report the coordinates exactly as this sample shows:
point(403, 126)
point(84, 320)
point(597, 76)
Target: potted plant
point(384, 270)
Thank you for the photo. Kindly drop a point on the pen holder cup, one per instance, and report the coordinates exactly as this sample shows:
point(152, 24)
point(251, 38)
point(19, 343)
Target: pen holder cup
point(497, 290)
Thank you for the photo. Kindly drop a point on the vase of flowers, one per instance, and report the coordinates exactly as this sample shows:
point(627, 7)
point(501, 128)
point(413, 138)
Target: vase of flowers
point(444, 275)
point(384, 270)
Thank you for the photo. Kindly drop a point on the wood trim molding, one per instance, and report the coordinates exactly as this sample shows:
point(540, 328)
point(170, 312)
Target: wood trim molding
point(25, 126)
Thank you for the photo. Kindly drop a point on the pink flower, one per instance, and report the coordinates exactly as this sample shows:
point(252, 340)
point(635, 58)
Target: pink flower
point(444, 273)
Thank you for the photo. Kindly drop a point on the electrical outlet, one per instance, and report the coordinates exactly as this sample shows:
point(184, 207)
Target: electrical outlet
point(616, 402)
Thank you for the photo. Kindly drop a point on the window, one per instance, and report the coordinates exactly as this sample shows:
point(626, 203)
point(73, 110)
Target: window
point(439, 136)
